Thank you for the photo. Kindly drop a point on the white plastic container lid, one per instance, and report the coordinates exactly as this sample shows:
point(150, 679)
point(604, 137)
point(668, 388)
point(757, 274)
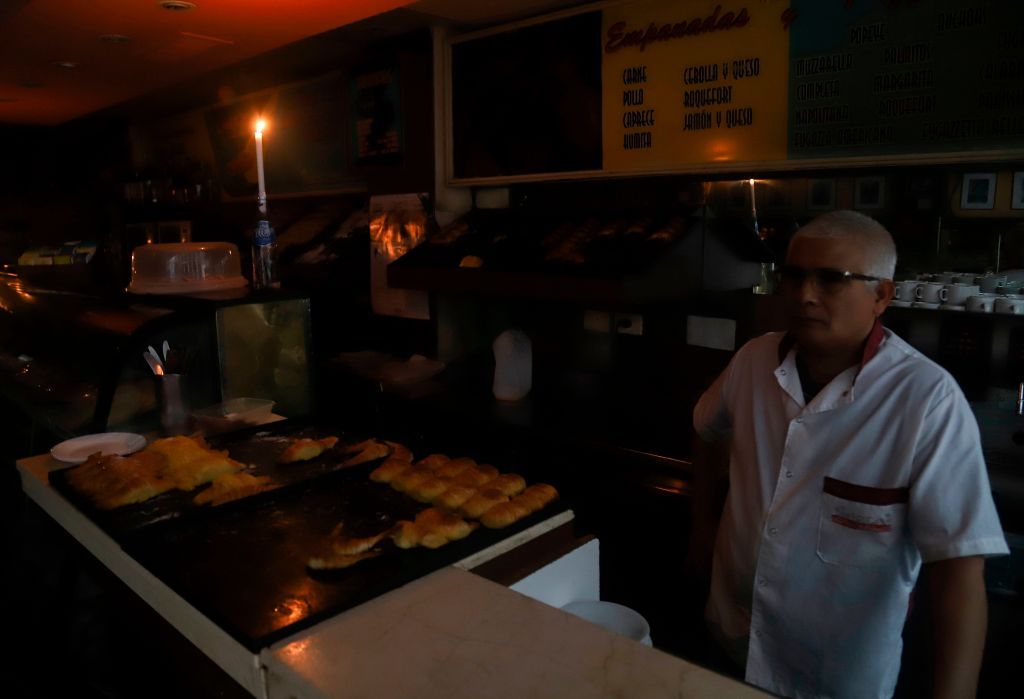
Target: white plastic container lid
point(185, 268)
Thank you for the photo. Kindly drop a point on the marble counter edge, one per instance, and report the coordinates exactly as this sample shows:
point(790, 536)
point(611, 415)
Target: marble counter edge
point(457, 635)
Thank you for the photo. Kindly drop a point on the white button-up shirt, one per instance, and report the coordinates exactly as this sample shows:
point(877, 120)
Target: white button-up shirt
point(832, 508)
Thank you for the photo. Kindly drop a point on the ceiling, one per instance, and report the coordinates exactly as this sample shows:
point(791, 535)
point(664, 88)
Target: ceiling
point(63, 59)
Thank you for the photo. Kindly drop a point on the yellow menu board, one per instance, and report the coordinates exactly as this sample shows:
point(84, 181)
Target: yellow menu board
point(694, 82)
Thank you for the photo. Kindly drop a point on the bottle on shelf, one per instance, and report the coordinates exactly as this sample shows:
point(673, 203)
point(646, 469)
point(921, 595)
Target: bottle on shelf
point(264, 250)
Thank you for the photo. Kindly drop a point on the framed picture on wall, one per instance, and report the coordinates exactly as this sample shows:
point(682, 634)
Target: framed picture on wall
point(821, 194)
point(1017, 198)
point(869, 193)
point(978, 190)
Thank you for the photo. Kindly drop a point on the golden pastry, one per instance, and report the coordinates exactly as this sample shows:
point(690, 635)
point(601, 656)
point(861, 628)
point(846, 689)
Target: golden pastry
point(113, 481)
point(429, 489)
point(233, 486)
point(475, 476)
point(338, 561)
point(455, 496)
point(176, 462)
point(400, 451)
point(481, 502)
point(508, 483)
point(433, 528)
point(454, 467)
point(440, 522)
point(504, 514)
point(387, 471)
point(537, 496)
point(406, 534)
point(350, 545)
point(433, 462)
point(410, 478)
point(190, 461)
point(369, 450)
point(305, 449)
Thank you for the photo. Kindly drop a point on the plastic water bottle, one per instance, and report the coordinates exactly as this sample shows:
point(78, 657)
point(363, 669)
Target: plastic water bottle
point(264, 256)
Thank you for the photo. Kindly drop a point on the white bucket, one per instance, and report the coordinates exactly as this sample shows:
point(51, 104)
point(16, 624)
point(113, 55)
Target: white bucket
point(614, 617)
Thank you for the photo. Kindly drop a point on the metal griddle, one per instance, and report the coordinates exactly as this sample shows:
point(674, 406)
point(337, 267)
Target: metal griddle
point(243, 564)
point(258, 448)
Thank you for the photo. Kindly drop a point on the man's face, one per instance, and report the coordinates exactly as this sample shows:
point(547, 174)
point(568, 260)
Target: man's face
point(827, 318)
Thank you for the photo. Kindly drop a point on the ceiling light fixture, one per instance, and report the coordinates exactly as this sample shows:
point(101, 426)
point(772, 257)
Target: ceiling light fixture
point(66, 65)
point(114, 39)
point(177, 5)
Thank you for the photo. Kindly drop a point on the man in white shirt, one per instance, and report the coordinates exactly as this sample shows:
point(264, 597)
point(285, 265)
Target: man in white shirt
point(853, 460)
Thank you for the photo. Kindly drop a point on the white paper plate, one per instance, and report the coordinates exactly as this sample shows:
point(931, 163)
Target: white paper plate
point(77, 450)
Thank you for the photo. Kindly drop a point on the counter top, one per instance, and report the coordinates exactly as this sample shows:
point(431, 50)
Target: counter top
point(450, 633)
point(455, 635)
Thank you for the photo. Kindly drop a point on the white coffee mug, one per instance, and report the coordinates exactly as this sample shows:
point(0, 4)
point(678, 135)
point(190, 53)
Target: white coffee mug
point(944, 277)
point(982, 303)
point(905, 290)
point(928, 292)
point(1009, 304)
point(989, 282)
point(957, 294)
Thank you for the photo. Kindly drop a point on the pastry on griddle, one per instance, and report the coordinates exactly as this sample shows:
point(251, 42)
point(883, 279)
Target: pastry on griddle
point(433, 462)
point(481, 502)
point(537, 496)
point(232, 486)
point(475, 476)
point(406, 535)
point(347, 550)
point(190, 462)
point(305, 449)
point(410, 478)
point(509, 483)
point(338, 561)
point(428, 490)
point(504, 514)
point(368, 450)
point(433, 528)
point(399, 451)
point(112, 481)
point(387, 471)
point(454, 496)
point(342, 543)
point(455, 467)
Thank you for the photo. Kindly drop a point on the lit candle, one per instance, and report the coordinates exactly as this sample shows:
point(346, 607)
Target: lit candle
point(261, 195)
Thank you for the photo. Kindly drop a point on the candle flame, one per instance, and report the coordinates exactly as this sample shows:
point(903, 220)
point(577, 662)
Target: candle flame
point(260, 126)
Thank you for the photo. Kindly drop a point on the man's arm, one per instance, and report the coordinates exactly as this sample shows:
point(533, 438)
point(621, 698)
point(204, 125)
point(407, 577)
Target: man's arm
point(959, 615)
point(708, 486)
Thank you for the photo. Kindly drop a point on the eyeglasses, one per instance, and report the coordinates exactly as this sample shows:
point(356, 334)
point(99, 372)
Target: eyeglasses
point(827, 279)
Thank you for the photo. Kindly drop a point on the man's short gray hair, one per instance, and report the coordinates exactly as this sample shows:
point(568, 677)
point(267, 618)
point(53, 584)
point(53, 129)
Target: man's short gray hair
point(869, 234)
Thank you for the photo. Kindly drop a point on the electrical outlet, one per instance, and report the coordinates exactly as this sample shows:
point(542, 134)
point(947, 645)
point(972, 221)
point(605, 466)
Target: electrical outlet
point(629, 323)
point(597, 321)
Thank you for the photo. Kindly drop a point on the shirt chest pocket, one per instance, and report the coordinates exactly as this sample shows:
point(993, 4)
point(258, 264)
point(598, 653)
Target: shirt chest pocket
point(860, 526)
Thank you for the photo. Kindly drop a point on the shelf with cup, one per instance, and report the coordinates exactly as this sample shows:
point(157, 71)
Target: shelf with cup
point(950, 291)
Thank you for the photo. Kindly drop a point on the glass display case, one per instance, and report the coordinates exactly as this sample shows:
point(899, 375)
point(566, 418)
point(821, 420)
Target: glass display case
point(73, 363)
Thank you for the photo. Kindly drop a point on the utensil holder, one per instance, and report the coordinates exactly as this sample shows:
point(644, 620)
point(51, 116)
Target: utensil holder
point(174, 413)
